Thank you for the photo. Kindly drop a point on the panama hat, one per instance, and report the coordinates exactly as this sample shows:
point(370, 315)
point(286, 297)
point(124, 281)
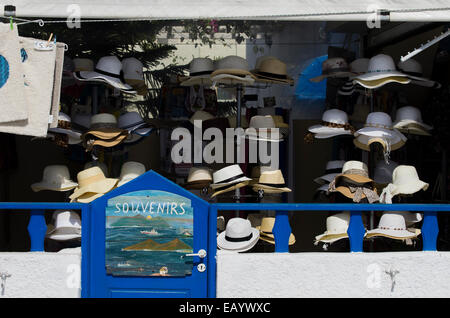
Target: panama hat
point(381, 70)
point(271, 182)
point(135, 125)
point(232, 70)
point(333, 168)
point(405, 180)
point(409, 119)
point(200, 70)
point(83, 65)
point(133, 74)
point(92, 184)
point(65, 127)
point(239, 236)
point(228, 179)
point(383, 172)
point(104, 130)
point(55, 178)
point(99, 164)
point(129, 171)
point(108, 70)
point(392, 225)
point(272, 70)
point(266, 228)
point(337, 226)
point(263, 128)
point(355, 171)
point(334, 123)
point(414, 71)
point(198, 178)
point(333, 67)
point(66, 226)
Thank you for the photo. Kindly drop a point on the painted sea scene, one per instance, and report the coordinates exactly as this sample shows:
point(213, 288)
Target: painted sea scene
point(149, 233)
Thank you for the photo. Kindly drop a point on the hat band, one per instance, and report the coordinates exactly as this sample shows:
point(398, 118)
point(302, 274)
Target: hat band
point(381, 71)
point(133, 124)
point(61, 140)
point(108, 73)
point(335, 70)
point(239, 239)
point(64, 124)
point(358, 172)
point(378, 126)
point(392, 229)
point(267, 74)
point(231, 179)
point(273, 185)
point(346, 126)
point(103, 125)
point(200, 73)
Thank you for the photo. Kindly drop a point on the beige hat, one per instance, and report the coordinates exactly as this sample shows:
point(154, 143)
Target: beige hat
point(265, 231)
point(200, 115)
point(337, 226)
point(333, 67)
point(271, 182)
point(272, 70)
point(405, 180)
point(409, 120)
point(55, 178)
point(198, 178)
point(129, 171)
point(232, 70)
point(200, 70)
point(92, 184)
point(103, 132)
point(263, 128)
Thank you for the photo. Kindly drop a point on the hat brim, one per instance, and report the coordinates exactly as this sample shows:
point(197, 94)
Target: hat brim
point(269, 189)
point(267, 79)
point(102, 186)
point(404, 123)
point(371, 84)
point(66, 186)
point(392, 234)
point(363, 142)
point(88, 197)
point(202, 80)
point(410, 188)
point(331, 238)
point(323, 130)
point(64, 233)
point(73, 134)
point(252, 134)
point(228, 189)
point(223, 244)
point(354, 178)
point(320, 78)
point(97, 77)
point(325, 178)
point(231, 79)
point(373, 76)
point(425, 82)
point(347, 193)
point(270, 238)
point(323, 187)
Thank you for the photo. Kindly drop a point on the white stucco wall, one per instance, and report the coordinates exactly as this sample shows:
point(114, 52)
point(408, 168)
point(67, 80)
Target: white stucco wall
point(43, 275)
point(420, 274)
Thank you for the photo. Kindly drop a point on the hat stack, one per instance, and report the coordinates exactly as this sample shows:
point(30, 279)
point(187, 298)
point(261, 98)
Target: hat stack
point(135, 125)
point(272, 70)
point(409, 120)
point(333, 168)
point(103, 131)
point(198, 178)
point(266, 228)
point(200, 70)
point(228, 179)
point(239, 236)
point(55, 178)
point(337, 226)
point(271, 181)
point(263, 128)
point(233, 70)
point(334, 123)
point(92, 184)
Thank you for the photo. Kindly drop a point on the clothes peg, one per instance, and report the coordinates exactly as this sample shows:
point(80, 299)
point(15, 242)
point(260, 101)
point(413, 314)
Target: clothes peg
point(11, 23)
point(49, 39)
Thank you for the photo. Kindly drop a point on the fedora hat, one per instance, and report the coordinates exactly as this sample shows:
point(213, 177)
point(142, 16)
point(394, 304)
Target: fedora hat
point(405, 180)
point(266, 228)
point(232, 70)
point(108, 70)
point(55, 178)
point(135, 125)
point(83, 65)
point(228, 179)
point(66, 226)
point(392, 225)
point(333, 168)
point(133, 74)
point(272, 70)
point(414, 71)
point(99, 164)
point(92, 184)
point(380, 71)
point(198, 178)
point(334, 123)
point(409, 119)
point(239, 236)
point(263, 128)
point(129, 171)
point(65, 127)
point(337, 226)
point(271, 182)
point(200, 70)
point(333, 67)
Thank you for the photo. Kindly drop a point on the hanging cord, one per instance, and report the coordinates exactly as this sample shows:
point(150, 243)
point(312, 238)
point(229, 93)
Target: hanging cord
point(25, 21)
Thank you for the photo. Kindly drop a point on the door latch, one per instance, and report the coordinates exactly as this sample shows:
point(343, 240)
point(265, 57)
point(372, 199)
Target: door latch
point(201, 253)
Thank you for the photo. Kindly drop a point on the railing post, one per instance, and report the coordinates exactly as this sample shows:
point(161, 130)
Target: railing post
point(212, 251)
point(430, 230)
point(37, 229)
point(282, 231)
point(356, 231)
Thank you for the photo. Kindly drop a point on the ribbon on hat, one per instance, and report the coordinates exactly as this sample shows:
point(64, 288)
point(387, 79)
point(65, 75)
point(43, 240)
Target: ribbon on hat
point(386, 195)
point(356, 190)
point(309, 137)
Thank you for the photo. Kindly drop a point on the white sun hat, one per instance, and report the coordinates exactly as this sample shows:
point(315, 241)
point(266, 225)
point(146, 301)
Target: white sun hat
point(409, 119)
point(66, 226)
point(333, 168)
point(405, 180)
point(333, 67)
point(55, 178)
point(383, 171)
point(200, 70)
point(65, 127)
point(136, 126)
point(108, 70)
point(337, 226)
point(414, 71)
point(99, 164)
point(392, 225)
point(92, 184)
point(129, 171)
point(381, 70)
point(263, 128)
point(334, 123)
point(233, 69)
point(239, 236)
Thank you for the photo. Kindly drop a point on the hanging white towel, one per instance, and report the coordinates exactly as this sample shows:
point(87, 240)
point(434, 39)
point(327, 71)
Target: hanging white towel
point(13, 105)
point(57, 84)
point(39, 71)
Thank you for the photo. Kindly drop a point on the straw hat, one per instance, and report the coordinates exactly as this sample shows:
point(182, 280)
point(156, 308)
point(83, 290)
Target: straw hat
point(104, 129)
point(239, 236)
point(263, 128)
point(99, 164)
point(392, 225)
point(355, 171)
point(129, 171)
point(409, 120)
point(272, 70)
point(55, 178)
point(381, 70)
point(333, 67)
point(66, 226)
point(228, 179)
point(198, 178)
point(333, 168)
point(334, 123)
point(92, 184)
point(65, 127)
point(135, 125)
point(265, 231)
point(405, 180)
point(414, 71)
point(233, 70)
point(82, 64)
point(337, 226)
point(271, 182)
point(200, 70)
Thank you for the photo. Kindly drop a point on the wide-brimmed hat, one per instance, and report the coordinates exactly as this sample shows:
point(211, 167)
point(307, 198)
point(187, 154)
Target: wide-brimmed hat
point(133, 74)
point(334, 123)
point(104, 132)
point(238, 236)
point(65, 127)
point(333, 168)
point(405, 180)
point(333, 67)
point(266, 228)
point(198, 178)
point(409, 120)
point(232, 70)
point(337, 226)
point(263, 128)
point(55, 178)
point(200, 70)
point(381, 70)
point(272, 70)
point(108, 70)
point(99, 164)
point(136, 126)
point(413, 69)
point(271, 182)
point(83, 65)
point(66, 226)
point(383, 172)
point(92, 184)
point(129, 171)
point(392, 225)
point(355, 171)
